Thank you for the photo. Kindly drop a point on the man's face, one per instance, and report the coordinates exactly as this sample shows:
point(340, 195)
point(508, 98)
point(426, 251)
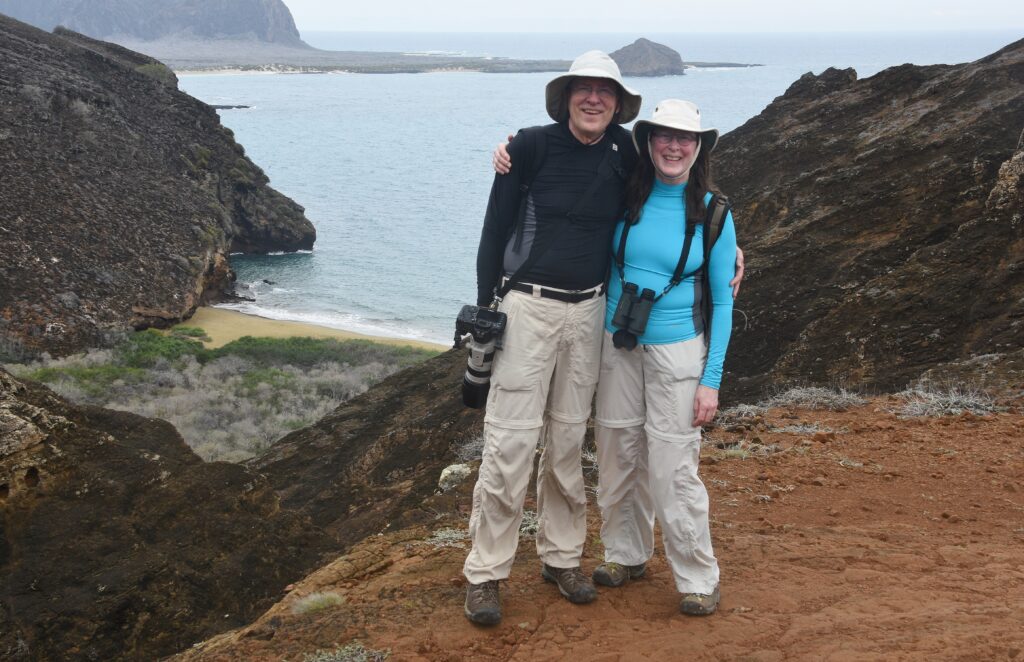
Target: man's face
point(593, 103)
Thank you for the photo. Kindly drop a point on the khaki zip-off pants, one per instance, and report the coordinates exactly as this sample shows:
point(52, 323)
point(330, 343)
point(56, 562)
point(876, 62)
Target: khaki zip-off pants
point(542, 384)
point(647, 454)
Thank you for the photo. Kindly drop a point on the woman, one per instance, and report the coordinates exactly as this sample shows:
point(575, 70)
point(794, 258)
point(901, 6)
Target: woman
point(652, 399)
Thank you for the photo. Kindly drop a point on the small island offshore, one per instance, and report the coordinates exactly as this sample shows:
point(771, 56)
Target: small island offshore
point(176, 481)
point(260, 36)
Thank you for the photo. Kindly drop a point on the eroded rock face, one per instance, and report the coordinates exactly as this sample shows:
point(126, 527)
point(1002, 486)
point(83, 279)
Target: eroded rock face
point(882, 222)
point(373, 463)
point(261, 20)
point(122, 197)
point(647, 58)
point(117, 542)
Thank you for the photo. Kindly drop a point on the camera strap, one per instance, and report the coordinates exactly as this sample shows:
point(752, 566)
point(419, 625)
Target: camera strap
point(677, 275)
point(537, 252)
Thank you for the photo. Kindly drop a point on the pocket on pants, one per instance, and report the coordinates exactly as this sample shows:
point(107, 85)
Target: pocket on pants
point(677, 369)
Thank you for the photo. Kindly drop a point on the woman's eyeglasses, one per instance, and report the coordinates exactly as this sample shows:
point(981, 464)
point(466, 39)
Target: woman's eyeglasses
point(666, 137)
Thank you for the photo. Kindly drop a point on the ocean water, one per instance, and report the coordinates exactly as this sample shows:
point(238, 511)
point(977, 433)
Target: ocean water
point(394, 170)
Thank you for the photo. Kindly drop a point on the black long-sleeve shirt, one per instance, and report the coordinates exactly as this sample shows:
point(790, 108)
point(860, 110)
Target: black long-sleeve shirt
point(579, 246)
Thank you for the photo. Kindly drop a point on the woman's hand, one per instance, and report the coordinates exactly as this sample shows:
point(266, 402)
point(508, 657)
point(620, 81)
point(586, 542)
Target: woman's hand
point(501, 160)
point(735, 282)
point(705, 404)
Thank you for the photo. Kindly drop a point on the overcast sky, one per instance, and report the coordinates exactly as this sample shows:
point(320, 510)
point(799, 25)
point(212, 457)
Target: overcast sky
point(655, 15)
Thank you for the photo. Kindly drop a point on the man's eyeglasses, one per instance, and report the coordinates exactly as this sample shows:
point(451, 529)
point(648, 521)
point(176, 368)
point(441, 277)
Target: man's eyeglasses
point(666, 137)
point(605, 92)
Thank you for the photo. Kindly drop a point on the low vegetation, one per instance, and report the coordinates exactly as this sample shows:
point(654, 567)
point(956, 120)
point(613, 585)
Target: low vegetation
point(228, 403)
point(952, 400)
point(353, 652)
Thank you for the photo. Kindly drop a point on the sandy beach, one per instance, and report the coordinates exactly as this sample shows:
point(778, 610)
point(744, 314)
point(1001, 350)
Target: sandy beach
point(223, 325)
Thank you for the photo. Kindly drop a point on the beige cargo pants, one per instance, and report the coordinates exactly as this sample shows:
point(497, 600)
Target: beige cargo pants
point(647, 456)
point(542, 384)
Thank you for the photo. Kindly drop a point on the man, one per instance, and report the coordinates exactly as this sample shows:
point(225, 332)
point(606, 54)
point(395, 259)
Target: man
point(548, 228)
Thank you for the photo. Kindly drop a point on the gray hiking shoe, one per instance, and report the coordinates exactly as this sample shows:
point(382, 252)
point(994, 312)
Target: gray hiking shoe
point(699, 604)
point(614, 574)
point(482, 604)
point(572, 583)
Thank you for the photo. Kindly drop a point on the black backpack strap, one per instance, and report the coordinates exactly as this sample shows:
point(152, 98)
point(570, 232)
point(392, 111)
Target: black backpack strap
point(718, 210)
point(537, 252)
point(677, 275)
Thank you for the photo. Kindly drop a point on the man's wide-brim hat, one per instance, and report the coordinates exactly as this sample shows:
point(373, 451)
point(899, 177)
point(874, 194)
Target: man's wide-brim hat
point(678, 115)
point(592, 64)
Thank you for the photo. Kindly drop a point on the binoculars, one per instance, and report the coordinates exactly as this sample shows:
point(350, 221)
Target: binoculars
point(631, 314)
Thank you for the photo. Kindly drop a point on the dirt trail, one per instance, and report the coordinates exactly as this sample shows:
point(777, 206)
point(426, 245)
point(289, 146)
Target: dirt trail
point(864, 537)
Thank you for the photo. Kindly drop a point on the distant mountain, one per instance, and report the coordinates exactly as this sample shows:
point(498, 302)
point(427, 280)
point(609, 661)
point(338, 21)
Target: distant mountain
point(646, 58)
point(266, 21)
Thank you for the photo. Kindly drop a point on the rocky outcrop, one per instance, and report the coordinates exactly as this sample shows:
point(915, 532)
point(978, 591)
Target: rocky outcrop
point(117, 542)
point(256, 20)
point(373, 464)
point(646, 58)
point(122, 197)
point(882, 222)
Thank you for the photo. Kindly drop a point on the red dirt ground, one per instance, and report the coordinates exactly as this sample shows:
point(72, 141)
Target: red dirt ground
point(883, 539)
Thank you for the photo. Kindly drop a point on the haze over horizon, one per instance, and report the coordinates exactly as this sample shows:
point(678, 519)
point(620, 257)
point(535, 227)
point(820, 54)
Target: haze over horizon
point(727, 16)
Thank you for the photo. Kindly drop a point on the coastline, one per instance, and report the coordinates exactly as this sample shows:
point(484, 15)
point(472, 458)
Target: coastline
point(223, 325)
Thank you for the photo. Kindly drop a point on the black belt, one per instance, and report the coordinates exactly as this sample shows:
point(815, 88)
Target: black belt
point(559, 295)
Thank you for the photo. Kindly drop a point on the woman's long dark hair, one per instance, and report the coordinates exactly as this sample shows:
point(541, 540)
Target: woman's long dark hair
point(641, 182)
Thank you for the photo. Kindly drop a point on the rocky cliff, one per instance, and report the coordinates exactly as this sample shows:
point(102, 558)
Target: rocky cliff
point(646, 58)
point(257, 20)
point(118, 542)
point(122, 197)
point(882, 222)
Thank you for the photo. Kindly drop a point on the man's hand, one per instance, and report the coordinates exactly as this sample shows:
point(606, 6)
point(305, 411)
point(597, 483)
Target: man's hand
point(501, 160)
point(735, 282)
point(705, 405)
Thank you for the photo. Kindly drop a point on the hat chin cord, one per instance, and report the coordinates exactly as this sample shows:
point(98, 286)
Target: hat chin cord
point(661, 175)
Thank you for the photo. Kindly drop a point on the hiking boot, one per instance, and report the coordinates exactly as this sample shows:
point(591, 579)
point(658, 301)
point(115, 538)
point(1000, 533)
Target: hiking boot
point(699, 604)
point(482, 604)
point(614, 574)
point(572, 583)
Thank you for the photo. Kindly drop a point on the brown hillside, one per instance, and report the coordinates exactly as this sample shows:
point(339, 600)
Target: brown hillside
point(873, 538)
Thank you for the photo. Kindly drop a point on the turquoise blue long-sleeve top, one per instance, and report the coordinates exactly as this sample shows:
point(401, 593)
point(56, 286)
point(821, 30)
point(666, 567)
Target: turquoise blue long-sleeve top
point(652, 253)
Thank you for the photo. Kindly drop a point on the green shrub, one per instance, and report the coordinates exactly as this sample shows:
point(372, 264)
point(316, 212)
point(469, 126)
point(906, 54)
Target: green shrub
point(188, 332)
point(146, 348)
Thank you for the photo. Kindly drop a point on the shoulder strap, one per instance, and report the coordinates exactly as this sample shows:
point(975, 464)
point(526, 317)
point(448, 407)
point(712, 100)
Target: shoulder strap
point(718, 209)
point(538, 251)
point(677, 275)
point(540, 143)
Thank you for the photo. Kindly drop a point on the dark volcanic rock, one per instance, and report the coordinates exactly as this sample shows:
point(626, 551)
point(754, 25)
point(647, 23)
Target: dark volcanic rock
point(119, 189)
point(373, 463)
point(882, 221)
point(646, 58)
point(259, 20)
point(117, 542)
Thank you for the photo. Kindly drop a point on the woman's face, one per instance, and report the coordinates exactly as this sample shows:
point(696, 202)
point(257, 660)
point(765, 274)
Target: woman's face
point(673, 154)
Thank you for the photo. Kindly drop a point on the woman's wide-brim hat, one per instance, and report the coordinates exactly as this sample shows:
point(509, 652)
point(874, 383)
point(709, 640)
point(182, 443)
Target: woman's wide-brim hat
point(592, 64)
point(678, 115)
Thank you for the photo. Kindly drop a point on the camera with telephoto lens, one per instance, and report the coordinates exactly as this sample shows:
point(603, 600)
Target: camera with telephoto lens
point(482, 327)
point(630, 318)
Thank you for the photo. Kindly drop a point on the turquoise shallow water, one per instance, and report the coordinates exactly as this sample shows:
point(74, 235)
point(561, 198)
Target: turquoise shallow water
point(394, 170)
